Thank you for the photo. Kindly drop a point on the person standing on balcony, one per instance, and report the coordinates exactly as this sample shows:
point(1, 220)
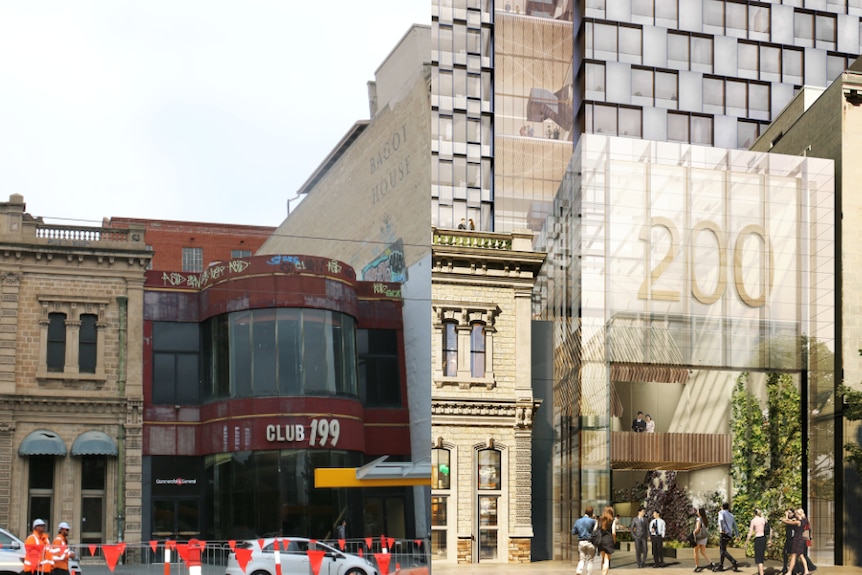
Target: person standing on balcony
point(582, 528)
point(639, 425)
point(650, 424)
point(639, 534)
point(729, 530)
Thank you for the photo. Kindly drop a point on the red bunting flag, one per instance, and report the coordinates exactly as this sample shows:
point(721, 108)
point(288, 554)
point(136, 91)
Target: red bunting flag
point(93, 549)
point(368, 542)
point(154, 545)
point(260, 544)
point(183, 550)
point(170, 544)
point(243, 556)
point(285, 543)
point(383, 561)
point(391, 541)
point(315, 557)
point(112, 554)
point(418, 542)
point(341, 543)
point(232, 544)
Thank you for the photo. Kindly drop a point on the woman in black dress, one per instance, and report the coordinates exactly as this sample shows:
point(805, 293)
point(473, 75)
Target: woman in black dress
point(606, 547)
point(797, 550)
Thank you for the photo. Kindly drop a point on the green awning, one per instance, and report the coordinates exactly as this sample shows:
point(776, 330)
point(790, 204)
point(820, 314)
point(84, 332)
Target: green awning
point(94, 443)
point(42, 442)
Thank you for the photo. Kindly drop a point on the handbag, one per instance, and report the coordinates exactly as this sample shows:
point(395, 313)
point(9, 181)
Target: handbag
point(691, 539)
point(700, 532)
point(596, 537)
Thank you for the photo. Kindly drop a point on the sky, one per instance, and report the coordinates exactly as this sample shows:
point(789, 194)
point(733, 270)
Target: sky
point(199, 110)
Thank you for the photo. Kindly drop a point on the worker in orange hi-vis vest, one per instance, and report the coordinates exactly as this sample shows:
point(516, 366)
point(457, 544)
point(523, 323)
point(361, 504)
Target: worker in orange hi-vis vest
point(38, 557)
point(62, 551)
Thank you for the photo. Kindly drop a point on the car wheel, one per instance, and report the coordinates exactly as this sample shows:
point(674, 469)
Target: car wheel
point(355, 571)
point(261, 572)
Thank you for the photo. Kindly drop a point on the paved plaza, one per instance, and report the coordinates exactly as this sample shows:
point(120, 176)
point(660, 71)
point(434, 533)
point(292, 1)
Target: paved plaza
point(623, 563)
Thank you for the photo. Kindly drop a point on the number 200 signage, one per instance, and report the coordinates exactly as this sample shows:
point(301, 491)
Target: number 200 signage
point(660, 285)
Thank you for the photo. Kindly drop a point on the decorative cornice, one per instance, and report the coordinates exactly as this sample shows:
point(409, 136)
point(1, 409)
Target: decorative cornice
point(21, 404)
point(519, 411)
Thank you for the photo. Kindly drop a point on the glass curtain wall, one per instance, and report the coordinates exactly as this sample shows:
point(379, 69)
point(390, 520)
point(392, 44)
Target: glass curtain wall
point(694, 284)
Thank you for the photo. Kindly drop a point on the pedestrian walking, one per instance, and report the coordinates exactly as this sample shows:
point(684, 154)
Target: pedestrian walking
point(609, 538)
point(801, 536)
point(729, 530)
point(62, 551)
point(757, 529)
point(37, 550)
point(701, 536)
point(582, 528)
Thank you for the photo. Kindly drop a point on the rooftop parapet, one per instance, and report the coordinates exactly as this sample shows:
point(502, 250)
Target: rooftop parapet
point(20, 228)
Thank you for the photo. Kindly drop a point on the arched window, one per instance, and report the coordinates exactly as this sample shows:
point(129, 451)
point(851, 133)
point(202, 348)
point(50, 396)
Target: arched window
point(450, 349)
point(489, 476)
point(441, 495)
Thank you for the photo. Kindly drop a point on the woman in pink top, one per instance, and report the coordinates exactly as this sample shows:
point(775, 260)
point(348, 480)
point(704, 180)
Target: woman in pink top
point(757, 529)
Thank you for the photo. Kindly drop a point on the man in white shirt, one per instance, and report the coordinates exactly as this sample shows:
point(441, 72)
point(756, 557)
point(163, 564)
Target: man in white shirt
point(657, 530)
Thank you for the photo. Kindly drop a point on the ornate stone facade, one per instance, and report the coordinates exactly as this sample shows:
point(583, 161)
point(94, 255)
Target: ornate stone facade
point(70, 362)
point(482, 402)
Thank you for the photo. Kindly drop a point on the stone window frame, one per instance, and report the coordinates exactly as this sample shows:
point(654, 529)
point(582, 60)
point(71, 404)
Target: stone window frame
point(502, 494)
point(465, 316)
point(74, 307)
point(450, 494)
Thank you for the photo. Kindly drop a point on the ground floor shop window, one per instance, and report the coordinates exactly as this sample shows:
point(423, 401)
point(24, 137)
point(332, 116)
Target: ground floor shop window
point(41, 487)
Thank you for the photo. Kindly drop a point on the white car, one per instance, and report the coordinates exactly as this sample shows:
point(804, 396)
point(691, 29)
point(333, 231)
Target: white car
point(12, 556)
point(295, 560)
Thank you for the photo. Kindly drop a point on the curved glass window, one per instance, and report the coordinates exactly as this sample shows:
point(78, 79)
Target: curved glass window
point(277, 352)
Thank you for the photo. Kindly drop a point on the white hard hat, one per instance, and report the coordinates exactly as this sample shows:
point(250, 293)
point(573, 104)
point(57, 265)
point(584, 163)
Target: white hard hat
point(38, 522)
point(63, 525)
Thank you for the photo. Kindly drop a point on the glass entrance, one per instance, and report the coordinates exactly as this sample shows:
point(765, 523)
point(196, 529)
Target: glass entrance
point(176, 519)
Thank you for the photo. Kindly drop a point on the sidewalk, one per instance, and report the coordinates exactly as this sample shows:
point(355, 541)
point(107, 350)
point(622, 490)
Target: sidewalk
point(623, 563)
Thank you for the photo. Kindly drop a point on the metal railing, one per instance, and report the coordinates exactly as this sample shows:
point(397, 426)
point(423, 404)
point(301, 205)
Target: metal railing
point(149, 558)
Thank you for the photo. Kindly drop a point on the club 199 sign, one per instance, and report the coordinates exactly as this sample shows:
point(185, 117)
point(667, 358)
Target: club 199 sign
point(706, 244)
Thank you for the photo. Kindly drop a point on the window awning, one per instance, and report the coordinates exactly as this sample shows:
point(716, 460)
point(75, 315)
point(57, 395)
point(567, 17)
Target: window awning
point(42, 442)
point(94, 443)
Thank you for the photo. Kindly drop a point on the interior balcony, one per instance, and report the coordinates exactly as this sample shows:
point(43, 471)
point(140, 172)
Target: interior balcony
point(670, 451)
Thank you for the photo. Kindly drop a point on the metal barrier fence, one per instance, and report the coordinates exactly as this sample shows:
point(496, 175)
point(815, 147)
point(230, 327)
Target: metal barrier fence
point(149, 558)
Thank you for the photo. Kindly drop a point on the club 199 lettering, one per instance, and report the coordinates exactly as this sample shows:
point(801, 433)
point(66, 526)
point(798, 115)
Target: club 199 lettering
point(319, 433)
point(662, 286)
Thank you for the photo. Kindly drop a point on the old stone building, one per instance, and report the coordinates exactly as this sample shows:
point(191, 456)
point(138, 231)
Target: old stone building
point(482, 401)
point(70, 375)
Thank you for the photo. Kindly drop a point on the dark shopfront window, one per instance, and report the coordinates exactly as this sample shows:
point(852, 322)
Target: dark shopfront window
point(267, 493)
point(277, 352)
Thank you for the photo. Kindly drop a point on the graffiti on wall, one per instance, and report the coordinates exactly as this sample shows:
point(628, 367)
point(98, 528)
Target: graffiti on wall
point(388, 266)
point(287, 264)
